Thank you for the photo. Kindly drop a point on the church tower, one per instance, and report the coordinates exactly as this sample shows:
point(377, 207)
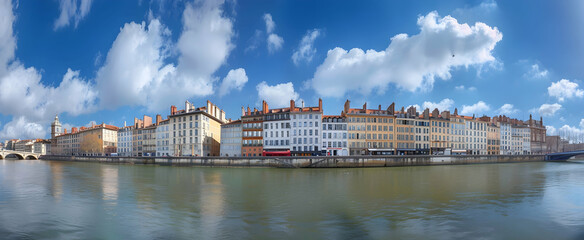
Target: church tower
point(56, 127)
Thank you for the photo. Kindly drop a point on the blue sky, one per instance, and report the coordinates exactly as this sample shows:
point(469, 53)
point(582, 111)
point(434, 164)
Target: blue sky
point(111, 61)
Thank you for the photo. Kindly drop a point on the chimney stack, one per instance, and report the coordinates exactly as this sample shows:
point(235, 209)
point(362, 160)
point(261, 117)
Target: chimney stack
point(264, 107)
point(158, 119)
point(172, 110)
point(347, 106)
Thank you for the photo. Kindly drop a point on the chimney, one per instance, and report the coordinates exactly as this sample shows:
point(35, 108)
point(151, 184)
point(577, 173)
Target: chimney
point(435, 113)
point(455, 111)
point(365, 106)
point(65, 131)
point(292, 105)
point(320, 104)
point(172, 110)
point(426, 114)
point(264, 107)
point(248, 110)
point(147, 121)
point(302, 103)
point(124, 123)
point(391, 109)
point(242, 111)
point(158, 119)
point(347, 106)
point(379, 108)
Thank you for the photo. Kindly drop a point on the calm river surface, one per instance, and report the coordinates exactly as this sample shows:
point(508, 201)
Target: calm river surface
point(63, 200)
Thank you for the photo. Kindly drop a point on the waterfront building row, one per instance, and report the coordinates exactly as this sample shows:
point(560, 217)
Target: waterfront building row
point(188, 132)
point(38, 146)
point(364, 131)
point(304, 131)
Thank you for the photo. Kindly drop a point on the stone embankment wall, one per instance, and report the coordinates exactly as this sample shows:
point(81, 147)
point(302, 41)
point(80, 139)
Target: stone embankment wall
point(307, 162)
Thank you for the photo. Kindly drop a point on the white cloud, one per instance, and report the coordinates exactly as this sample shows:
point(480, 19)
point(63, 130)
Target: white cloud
point(134, 65)
point(23, 94)
point(551, 130)
point(549, 109)
point(270, 24)
point(443, 105)
point(410, 62)
point(7, 40)
point(72, 11)
point(278, 95)
point(134, 71)
point(22, 128)
point(462, 88)
point(135, 74)
point(564, 89)
point(535, 72)
point(582, 123)
point(275, 42)
point(235, 79)
point(507, 109)
point(478, 108)
point(306, 50)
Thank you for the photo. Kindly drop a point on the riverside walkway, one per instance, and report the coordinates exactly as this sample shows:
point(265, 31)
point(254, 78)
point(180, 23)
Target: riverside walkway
point(307, 162)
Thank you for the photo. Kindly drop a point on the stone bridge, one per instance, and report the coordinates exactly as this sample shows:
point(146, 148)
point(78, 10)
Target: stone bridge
point(19, 155)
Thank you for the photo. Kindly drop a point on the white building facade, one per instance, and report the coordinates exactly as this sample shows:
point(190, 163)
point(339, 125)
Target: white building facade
point(125, 139)
point(231, 139)
point(163, 139)
point(520, 140)
point(476, 136)
point(306, 139)
point(506, 141)
point(422, 135)
point(276, 131)
point(334, 136)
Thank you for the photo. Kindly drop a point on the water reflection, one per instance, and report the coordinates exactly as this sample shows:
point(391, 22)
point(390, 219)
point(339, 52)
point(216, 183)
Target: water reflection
point(211, 204)
point(492, 201)
point(564, 194)
point(56, 180)
point(109, 183)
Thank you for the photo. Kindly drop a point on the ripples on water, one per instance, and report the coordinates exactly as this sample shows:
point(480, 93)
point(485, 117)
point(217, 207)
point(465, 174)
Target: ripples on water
point(60, 200)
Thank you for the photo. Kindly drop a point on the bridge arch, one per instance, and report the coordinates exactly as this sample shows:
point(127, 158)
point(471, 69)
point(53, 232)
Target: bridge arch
point(14, 155)
point(1, 156)
point(563, 156)
point(31, 157)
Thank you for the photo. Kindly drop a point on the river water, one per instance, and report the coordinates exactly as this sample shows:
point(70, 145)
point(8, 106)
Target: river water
point(72, 200)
